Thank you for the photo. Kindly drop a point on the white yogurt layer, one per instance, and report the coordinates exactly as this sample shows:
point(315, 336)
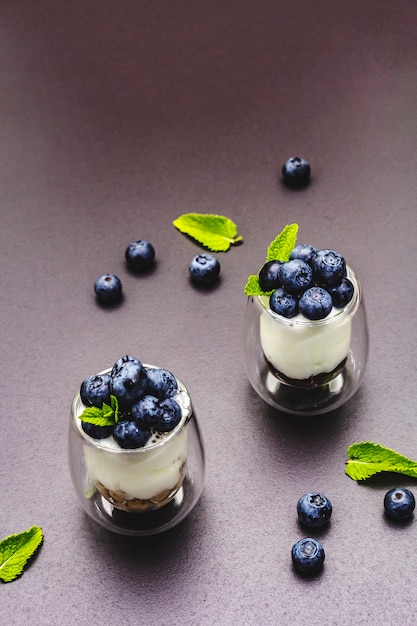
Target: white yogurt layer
point(143, 472)
point(300, 348)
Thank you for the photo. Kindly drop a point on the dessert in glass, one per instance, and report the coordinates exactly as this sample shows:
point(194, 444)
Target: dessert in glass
point(136, 454)
point(305, 329)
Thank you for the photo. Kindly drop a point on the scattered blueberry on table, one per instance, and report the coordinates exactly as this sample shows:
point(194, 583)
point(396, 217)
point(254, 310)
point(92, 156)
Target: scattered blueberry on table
point(140, 255)
point(399, 503)
point(314, 509)
point(296, 172)
point(204, 269)
point(308, 556)
point(108, 288)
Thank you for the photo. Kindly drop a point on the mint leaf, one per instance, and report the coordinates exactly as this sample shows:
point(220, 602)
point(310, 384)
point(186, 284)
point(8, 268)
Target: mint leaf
point(106, 416)
point(16, 550)
point(215, 232)
point(366, 459)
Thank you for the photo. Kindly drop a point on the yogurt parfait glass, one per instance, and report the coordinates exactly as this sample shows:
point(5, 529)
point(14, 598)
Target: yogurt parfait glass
point(144, 490)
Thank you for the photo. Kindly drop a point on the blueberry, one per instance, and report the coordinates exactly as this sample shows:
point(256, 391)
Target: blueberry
point(269, 276)
point(296, 276)
point(204, 269)
point(315, 303)
point(314, 509)
point(147, 412)
point(329, 267)
point(171, 416)
point(129, 435)
point(161, 383)
point(95, 390)
point(108, 288)
point(140, 255)
point(128, 383)
point(283, 303)
point(399, 503)
point(308, 556)
point(97, 432)
point(303, 251)
point(296, 172)
point(118, 366)
point(342, 294)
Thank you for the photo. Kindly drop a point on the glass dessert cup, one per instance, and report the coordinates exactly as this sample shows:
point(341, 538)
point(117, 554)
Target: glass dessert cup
point(141, 491)
point(306, 367)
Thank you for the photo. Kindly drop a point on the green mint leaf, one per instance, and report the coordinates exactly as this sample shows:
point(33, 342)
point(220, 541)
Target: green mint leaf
point(215, 232)
point(16, 550)
point(106, 416)
point(282, 246)
point(366, 459)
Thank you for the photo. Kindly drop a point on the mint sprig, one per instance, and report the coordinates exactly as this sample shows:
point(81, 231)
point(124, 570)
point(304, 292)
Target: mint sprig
point(215, 232)
point(278, 250)
point(16, 550)
point(365, 459)
point(108, 415)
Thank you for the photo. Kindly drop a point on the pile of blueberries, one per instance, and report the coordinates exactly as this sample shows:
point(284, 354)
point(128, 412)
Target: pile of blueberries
point(145, 400)
point(311, 282)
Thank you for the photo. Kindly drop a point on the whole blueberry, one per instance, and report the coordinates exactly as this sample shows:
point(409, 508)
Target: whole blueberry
point(329, 267)
point(140, 255)
point(128, 383)
point(108, 288)
point(283, 303)
point(171, 415)
point(95, 390)
point(314, 509)
point(161, 383)
point(296, 172)
point(303, 251)
point(120, 363)
point(342, 294)
point(315, 303)
point(269, 276)
point(129, 435)
point(296, 276)
point(204, 269)
point(147, 412)
point(399, 503)
point(308, 556)
point(97, 432)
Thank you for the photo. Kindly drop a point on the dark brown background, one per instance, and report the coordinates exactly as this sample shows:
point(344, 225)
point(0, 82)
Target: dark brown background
point(115, 118)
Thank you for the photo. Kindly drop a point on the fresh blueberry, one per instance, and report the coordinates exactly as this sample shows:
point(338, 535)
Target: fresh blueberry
point(140, 255)
point(129, 435)
point(161, 383)
point(120, 363)
point(108, 288)
point(147, 412)
point(95, 390)
point(171, 416)
point(269, 276)
point(128, 383)
point(315, 303)
point(399, 503)
point(342, 294)
point(303, 251)
point(283, 303)
point(329, 267)
point(204, 269)
point(308, 556)
point(296, 276)
point(314, 510)
point(97, 432)
point(296, 172)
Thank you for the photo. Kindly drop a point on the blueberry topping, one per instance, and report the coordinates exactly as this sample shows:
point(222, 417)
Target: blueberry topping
point(303, 251)
point(118, 366)
point(314, 510)
point(296, 276)
point(140, 255)
point(329, 267)
point(315, 303)
point(342, 294)
point(308, 556)
point(269, 276)
point(108, 288)
point(296, 172)
point(147, 412)
point(161, 383)
point(95, 390)
point(97, 432)
point(128, 383)
point(204, 269)
point(129, 435)
point(171, 415)
point(283, 303)
point(399, 503)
